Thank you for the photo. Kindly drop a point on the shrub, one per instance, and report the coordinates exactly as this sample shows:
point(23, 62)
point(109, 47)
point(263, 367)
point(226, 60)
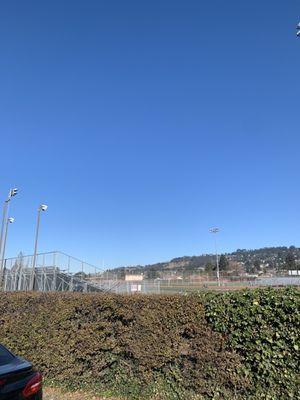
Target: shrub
point(141, 346)
point(263, 326)
point(209, 346)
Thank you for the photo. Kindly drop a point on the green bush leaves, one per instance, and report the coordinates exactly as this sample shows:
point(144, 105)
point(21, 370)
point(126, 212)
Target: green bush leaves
point(238, 345)
point(263, 326)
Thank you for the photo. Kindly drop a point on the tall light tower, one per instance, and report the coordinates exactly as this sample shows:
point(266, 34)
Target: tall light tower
point(42, 207)
point(12, 193)
point(10, 220)
point(215, 231)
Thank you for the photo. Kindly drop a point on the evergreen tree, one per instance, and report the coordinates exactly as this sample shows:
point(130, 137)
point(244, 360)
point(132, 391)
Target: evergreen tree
point(223, 263)
point(290, 262)
point(248, 267)
point(152, 274)
point(209, 267)
point(256, 265)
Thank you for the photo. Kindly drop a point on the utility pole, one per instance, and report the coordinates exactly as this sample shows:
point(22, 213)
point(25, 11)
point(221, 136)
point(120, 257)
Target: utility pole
point(215, 231)
point(13, 192)
point(42, 207)
point(9, 221)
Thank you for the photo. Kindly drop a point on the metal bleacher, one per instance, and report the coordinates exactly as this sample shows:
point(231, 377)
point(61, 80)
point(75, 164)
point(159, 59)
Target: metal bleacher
point(54, 271)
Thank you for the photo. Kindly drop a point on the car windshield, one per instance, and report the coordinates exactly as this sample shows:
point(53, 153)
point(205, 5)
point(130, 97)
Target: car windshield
point(5, 356)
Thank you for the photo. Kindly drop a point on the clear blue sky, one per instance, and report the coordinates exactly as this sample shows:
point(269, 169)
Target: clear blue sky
point(144, 123)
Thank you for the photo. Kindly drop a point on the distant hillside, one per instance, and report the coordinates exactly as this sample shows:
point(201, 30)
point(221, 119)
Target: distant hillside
point(251, 260)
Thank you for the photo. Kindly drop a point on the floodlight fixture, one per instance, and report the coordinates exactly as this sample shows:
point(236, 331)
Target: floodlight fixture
point(43, 207)
point(13, 192)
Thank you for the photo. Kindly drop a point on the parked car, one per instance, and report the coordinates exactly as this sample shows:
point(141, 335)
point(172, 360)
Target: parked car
point(18, 379)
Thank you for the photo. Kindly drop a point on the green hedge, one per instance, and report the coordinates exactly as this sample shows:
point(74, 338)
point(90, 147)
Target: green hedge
point(160, 347)
point(263, 326)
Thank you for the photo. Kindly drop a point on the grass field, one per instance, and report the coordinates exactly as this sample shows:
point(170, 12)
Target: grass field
point(189, 287)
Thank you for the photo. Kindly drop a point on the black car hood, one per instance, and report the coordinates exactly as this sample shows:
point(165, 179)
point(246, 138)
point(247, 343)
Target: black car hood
point(18, 364)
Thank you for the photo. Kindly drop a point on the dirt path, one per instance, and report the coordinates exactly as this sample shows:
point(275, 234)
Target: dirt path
point(56, 394)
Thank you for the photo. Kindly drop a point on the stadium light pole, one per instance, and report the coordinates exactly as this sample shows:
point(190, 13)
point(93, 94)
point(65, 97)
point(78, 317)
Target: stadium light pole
point(10, 220)
point(13, 192)
point(215, 231)
point(42, 207)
